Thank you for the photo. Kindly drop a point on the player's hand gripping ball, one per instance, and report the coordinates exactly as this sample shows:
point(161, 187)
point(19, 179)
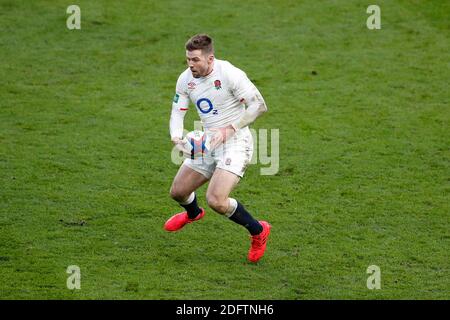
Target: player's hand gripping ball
point(195, 144)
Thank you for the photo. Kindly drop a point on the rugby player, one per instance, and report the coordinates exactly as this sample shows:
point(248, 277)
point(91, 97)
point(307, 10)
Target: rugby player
point(227, 103)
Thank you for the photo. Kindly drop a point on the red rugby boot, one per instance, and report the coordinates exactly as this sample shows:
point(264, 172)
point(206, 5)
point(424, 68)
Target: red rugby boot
point(179, 220)
point(259, 243)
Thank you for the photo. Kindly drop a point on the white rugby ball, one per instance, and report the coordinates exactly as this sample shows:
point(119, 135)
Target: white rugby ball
point(196, 144)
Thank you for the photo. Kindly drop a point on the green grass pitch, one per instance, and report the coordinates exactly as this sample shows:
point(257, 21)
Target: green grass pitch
point(364, 172)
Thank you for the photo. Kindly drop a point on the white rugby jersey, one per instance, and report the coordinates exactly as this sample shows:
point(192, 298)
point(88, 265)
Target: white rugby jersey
point(219, 97)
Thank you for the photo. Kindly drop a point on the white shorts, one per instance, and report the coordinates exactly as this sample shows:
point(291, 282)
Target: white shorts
point(233, 156)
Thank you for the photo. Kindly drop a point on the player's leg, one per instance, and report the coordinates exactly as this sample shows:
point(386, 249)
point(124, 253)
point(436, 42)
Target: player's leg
point(232, 161)
point(219, 189)
point(217, 196)
point(186, 181)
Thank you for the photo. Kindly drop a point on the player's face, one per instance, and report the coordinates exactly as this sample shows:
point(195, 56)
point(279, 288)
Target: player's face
point(199, 63)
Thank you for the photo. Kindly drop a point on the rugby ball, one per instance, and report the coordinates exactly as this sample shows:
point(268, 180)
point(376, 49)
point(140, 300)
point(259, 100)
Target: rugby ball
point(195, 144)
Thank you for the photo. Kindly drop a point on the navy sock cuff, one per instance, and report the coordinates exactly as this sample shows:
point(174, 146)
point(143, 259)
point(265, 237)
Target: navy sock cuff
point(192, 209)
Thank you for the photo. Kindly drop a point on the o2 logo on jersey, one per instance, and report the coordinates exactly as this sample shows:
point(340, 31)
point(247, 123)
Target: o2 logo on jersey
point(204, 102)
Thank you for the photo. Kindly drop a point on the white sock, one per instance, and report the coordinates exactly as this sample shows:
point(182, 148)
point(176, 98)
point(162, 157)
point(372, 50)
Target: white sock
point(232, 205)
point(188, 200)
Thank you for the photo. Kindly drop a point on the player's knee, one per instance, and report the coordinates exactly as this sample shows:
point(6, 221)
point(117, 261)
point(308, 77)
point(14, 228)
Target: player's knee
point(176, 194)
point(217, 204)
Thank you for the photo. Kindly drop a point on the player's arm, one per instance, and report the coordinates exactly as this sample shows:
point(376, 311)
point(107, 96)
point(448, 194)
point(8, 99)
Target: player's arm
point(247, 93)
point(256, 106)
point(244, 90)
point(180, 106)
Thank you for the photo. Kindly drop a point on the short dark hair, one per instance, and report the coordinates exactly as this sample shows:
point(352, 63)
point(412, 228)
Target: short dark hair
point(200, 42)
